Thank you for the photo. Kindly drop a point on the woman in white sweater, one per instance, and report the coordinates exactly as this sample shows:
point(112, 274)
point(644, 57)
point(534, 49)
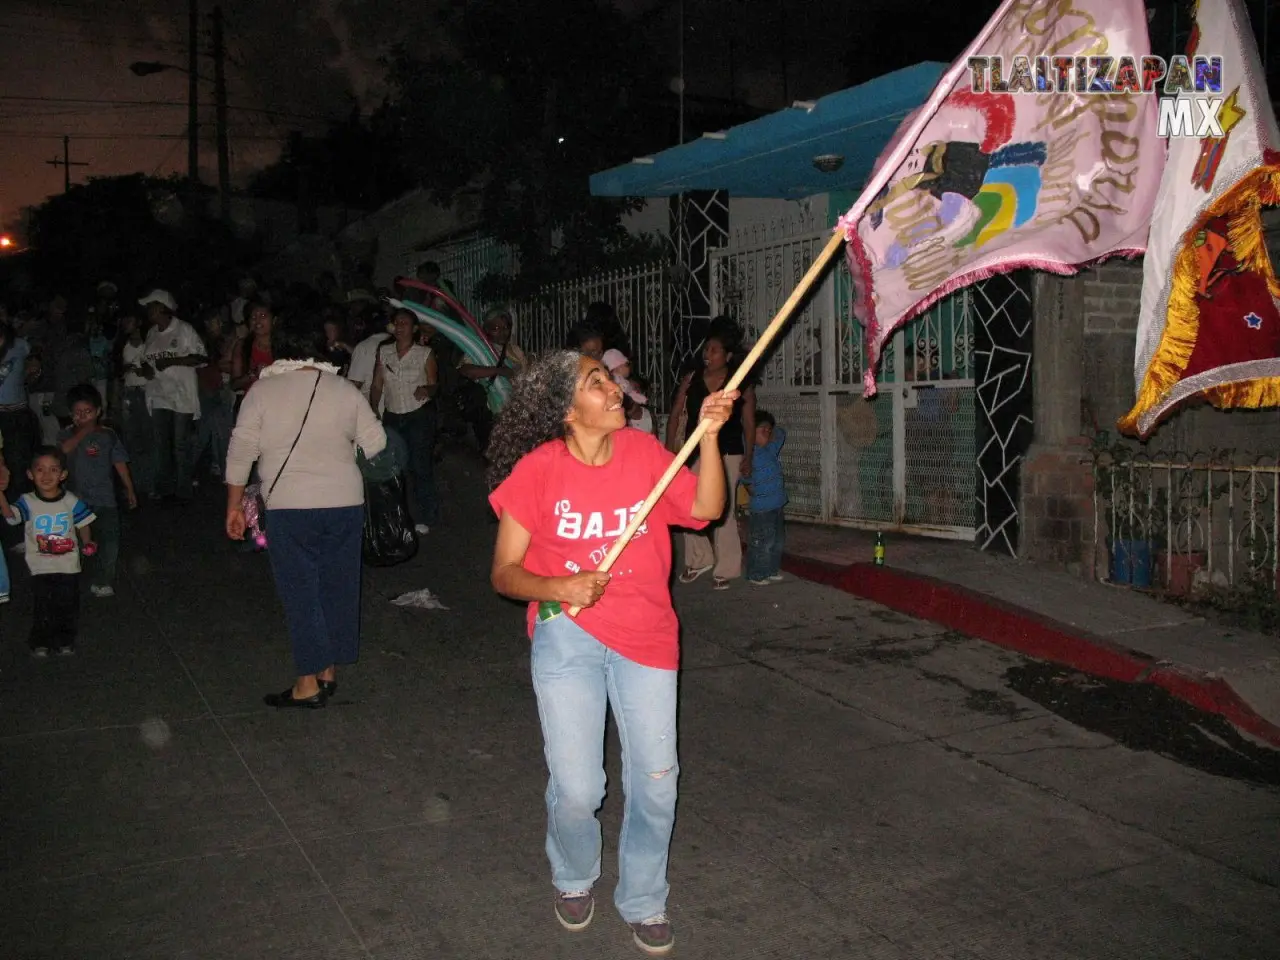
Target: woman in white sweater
point(302, 423)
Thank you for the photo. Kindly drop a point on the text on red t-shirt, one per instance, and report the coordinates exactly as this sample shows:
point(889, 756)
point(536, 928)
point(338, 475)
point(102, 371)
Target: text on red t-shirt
point(575, 512)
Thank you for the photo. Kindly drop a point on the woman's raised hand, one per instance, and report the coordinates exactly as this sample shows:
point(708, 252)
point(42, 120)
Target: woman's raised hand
point(718, 408)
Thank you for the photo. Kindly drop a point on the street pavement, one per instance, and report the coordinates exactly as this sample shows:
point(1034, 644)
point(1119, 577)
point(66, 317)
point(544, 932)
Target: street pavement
point(855, 783)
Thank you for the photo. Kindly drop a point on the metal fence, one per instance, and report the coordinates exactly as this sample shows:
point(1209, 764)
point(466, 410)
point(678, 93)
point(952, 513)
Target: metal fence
point(1185, 524)
point(646, 304)
point(465, 263)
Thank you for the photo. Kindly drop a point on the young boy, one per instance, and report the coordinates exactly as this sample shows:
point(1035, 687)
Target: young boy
point(52, 516)
point(94, 453)
point(766, 526)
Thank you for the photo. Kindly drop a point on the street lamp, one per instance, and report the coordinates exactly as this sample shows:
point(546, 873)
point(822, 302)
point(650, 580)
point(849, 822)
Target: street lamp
point(145, 68)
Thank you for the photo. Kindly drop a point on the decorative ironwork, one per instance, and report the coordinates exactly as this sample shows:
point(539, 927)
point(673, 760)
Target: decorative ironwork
point(465, 263)
point(752, 278)
point(1182, 522)
point(645, 302)
point(699, 227)
point(1002, 309)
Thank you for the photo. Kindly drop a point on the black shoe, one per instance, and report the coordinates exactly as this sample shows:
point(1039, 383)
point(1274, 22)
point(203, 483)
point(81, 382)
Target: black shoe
point(328, 687)
point(287, 699)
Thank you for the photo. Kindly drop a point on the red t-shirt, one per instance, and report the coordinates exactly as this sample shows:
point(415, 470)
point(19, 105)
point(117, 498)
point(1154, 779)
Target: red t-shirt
point(574, 513)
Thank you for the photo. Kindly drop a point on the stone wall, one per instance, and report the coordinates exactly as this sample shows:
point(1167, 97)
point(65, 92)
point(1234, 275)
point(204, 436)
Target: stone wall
point(1112, 293)
point(1057, 507)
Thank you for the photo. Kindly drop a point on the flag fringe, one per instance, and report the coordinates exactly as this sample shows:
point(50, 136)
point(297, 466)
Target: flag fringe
point(1242, 207)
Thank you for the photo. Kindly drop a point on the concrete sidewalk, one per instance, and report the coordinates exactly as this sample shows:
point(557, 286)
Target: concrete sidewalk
point(1114, 632)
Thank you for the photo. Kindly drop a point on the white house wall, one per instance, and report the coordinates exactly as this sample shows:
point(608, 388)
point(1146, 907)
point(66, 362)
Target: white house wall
point(399, 234)
point(778, 218)
point(653, 218)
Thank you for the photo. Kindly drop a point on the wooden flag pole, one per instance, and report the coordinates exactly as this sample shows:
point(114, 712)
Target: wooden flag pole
point(816, 270)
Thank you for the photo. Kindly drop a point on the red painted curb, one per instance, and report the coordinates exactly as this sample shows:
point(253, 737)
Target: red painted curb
point(1016, 628)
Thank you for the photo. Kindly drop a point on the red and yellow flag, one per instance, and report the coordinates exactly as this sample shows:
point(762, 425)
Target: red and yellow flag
point(1210, 322)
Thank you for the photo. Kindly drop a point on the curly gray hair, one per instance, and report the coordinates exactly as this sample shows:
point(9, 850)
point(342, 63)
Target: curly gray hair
point(540, 399)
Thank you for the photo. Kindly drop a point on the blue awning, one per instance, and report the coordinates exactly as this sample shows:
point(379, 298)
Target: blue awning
point(774, 156)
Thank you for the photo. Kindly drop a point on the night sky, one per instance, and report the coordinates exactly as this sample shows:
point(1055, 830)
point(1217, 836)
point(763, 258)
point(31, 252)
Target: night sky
point(297, 64)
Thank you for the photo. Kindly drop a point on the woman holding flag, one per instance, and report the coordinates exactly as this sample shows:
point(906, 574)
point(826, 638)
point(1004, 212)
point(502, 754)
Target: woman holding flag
point(567, 477)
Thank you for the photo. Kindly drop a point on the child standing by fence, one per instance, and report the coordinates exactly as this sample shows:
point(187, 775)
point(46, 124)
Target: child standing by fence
point(52, 516)
point(94, 454)
point(766, 525)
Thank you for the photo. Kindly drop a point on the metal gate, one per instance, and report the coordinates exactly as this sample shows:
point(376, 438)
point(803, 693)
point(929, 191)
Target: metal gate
point(905, 460)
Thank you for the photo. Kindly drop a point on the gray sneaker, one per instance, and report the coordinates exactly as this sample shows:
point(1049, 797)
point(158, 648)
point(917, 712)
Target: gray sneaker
point(40, 653)
point(654, 936)
point(575, 910)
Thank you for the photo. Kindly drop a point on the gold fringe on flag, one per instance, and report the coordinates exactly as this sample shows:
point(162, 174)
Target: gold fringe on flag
point(1242, 207)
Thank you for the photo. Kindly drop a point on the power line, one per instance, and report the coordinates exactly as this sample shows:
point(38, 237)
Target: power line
point(101, 42)
point(165, 103)
point(62, 18)
point(44, 135)
point(169, 156)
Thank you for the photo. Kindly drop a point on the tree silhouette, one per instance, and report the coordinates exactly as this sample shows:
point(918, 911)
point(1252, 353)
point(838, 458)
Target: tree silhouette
point(524, 109)
point(135, 230)
point(355, 164)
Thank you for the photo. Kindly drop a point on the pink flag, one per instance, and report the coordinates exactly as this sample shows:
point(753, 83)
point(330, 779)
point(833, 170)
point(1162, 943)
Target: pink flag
point(979, 183)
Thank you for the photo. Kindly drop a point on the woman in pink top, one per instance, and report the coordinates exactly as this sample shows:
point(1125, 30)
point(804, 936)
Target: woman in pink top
point(257, 351)
point(569, 474)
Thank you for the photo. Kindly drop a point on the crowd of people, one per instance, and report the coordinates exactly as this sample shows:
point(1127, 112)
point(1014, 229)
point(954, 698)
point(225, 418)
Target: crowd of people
point(282, 396)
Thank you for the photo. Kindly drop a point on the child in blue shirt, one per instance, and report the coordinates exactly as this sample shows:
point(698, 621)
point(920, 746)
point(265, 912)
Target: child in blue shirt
point(766, 528)
point(96, 459)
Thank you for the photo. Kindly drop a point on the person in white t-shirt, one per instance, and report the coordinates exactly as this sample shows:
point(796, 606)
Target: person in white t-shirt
point(364, 359)
point(173, 352)
point(406, 378)
point(138, 436)
point(246, 293)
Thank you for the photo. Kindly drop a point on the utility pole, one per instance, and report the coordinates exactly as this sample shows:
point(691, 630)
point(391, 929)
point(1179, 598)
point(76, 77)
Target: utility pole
point(220, 108)
point(66, 163)
point(782, 53)
point(193, 95)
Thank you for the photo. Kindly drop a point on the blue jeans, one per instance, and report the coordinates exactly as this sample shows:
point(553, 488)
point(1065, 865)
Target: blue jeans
point(213, 431)
point(172, 449)
point(576, 678)
point(4, 574)
point(315, 558)
point(138, 440)
point(418, 429)
point(766, 534)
